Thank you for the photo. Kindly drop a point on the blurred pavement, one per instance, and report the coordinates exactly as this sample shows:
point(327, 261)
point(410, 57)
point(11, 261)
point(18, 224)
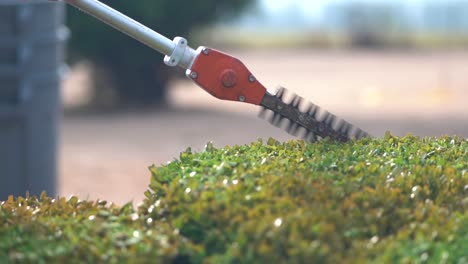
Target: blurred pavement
point(106, 156)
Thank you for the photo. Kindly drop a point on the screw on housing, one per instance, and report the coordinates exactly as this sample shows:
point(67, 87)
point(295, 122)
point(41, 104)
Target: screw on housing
point(193, 75)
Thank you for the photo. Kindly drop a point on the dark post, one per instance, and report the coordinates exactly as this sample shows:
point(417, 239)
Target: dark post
point(32, 48)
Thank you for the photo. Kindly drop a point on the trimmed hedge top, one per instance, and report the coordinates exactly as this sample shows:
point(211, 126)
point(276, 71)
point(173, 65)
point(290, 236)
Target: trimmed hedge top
point(374, 200)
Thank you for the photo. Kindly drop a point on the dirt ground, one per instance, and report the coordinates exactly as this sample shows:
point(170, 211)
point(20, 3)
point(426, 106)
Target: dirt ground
point(107, 156)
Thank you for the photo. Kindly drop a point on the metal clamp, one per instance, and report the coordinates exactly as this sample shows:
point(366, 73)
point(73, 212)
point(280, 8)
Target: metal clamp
point(178, 52)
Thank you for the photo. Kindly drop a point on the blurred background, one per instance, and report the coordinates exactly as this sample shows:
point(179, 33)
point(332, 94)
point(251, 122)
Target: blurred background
point(383, 65)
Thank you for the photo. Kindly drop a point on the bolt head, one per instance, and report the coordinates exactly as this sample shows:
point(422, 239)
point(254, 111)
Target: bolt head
point(242, 98)
point(229, 78)
point(205, 51)
point(252, 78)
point(193, 75)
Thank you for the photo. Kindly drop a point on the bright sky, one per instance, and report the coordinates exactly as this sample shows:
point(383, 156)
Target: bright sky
point(309, 7)
point(313, 7)
point(310, 12)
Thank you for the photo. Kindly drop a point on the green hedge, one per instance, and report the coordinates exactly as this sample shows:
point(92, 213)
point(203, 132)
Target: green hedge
point(391, 200)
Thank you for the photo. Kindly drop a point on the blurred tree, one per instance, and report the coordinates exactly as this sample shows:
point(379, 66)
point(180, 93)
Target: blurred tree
point(138, 74)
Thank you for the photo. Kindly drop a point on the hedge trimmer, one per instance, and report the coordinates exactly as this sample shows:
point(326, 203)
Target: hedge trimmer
point(227, 78)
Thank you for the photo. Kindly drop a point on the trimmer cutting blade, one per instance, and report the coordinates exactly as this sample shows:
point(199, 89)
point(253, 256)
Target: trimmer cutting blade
point(305, 119)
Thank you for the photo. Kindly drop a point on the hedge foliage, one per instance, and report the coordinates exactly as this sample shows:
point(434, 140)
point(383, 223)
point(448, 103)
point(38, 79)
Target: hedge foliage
point(391, 200)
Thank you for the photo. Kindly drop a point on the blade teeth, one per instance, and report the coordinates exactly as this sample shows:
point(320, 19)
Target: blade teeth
point(263, 113)
point(344, 128)
point(276, 119)
point(329, 119)
point(339, 123)
point(293, 128)
point(310, 136)
point(273, 118)
point(312, 110)
point(360, 134)
point(296, 101)
point(280, 93)
point(324, 115)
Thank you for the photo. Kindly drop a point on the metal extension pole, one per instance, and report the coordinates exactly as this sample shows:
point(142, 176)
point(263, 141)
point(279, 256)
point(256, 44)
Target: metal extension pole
point(125, 24)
